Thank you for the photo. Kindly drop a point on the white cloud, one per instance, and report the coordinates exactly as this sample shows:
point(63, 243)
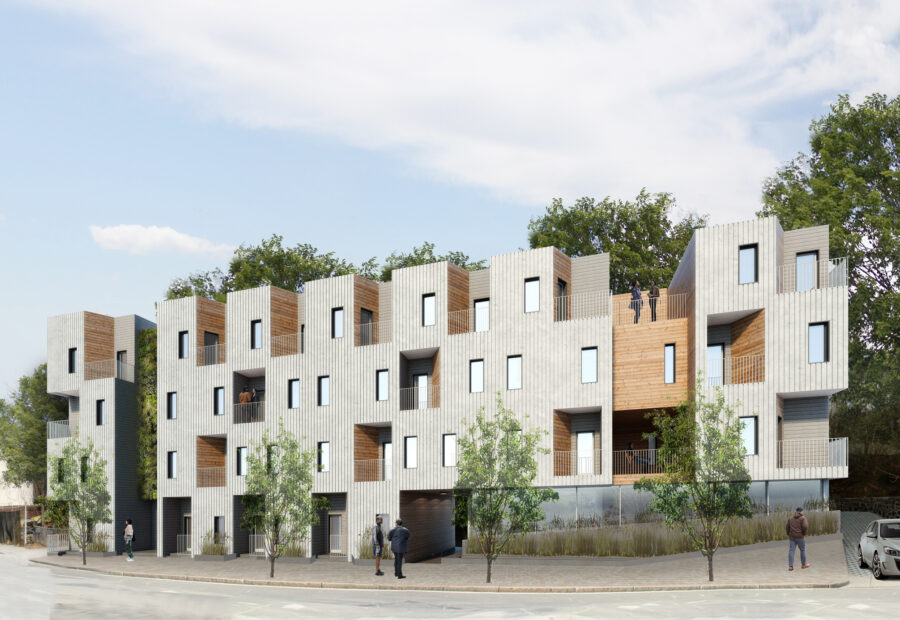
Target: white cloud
point(528, 100)
point(136, 239)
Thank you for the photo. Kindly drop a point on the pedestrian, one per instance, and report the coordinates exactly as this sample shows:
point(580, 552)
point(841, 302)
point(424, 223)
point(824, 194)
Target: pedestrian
point(653, 295)
point(796, 528)
point(378, 544)
point(399, 537)
point(129, 539)
point(636, 301)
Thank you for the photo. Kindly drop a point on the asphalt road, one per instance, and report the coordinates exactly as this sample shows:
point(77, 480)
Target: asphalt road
point(32, 591)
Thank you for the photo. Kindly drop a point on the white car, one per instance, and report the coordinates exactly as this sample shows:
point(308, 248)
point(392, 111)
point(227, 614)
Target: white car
point(879, 547)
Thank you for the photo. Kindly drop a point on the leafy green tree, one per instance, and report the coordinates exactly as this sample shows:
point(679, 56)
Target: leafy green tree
point(640, 236)
point(496, 469)
point(424, 255)
point(55, 511)
point(79, 478)
point(705, 481)
point(281, 475)
point(23, 430)
point(850, 180)
point(145, 384)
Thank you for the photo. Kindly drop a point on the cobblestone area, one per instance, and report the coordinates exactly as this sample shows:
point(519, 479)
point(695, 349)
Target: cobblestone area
point(853, 524)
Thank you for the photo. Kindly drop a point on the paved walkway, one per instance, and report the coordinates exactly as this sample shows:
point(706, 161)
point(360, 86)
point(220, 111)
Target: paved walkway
point(853, 524)
point(755, 566)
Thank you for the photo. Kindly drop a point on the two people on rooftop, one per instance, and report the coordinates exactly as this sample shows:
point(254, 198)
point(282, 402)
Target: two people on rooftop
point(637, 301)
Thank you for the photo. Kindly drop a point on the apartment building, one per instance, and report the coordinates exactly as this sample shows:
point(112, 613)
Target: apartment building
point(379, 379)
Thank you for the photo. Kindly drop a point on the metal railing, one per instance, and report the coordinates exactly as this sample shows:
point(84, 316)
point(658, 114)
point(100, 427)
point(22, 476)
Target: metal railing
point(663, 308)
point(210, 355)
point(808, 276)
point(210, 476)
point(107, 369)
point(581, 306)
point(637, 462)
point(336, 544)
point(58, 542)
point(372, 333)
point(468, 320)
point(371, 470)
point(257, 545)
point(245, 413)
point(58, 429)
point(574, 463)
point(287, 344)
point(734, 370)
point(826, 452)
point(183, 544)
point(419, 398)
point(42, 534)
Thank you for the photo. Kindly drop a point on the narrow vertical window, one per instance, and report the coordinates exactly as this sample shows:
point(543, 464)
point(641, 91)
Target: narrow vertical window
point(476, 376)
point(182, 345)
point(450, 450)
point(514, 372)
point(324, 396)
point(218, 528)
point(324, 458)
point(669, 371)
point(337, 322)
point(410, 452)
point(532, 294)
point(806, 270)
point(381, 385)
point(589, 365)
point(101, 412)
point(172, 465)
point(482, 315)
point(172, 405)
point(749, 441)
point(219, 401)
point(428, 309)
point(818, 343)
point(241, 461)
point(293, 393)
point(256, 334)
point(73, 360)
point(748, 264)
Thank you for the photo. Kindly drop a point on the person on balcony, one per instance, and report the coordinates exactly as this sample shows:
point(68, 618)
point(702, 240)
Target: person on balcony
point(244, 397)
point(653, 295)
point(633, 460)
point(636, 301)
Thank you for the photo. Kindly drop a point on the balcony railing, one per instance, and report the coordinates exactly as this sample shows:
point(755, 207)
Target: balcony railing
point(468, 320)
point(210, 476)
point(183, 544)
point(420, 398)
point(288, 344)
point(574, 463)
point(812, 275)
point(663, 308)
point(257, 545)
point(734, 370)
point(336, 545)
point(210, 355)
point(371, 470)
point(583, 306)
point(58, 542)
point(58, 429)
point(372, 333)
point(107, 369)
point(245, 413)
point(637, 462)
point(826, 452)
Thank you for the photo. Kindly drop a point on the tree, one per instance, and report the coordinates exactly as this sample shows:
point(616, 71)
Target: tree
point(280, 474)
point(496, 469)
point(424, 255)
point(705, 482)
point(642, 241)
point(79, 478)
point(145, 385)
point(850, 180)
point(23, 429)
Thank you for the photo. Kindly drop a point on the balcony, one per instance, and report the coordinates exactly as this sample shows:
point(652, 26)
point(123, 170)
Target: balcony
point(371, 470)
point(735, 370)
point(583, 306)
point(288, 344)
point(245, 413)
point(468, 321)
point(58, 429)
point(107, 369)
point(365, 334)
point(811, 275)
point(427, 396)
point(210, 476)
point(574, 463)
point(630, 466)
point(666, 307)
point(211, 355)
point(803, 453)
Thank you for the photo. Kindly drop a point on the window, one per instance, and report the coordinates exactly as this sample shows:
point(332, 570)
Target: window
point(171, 465)
point(218, 528)
point(589, 365)
point(669, 373)
point(748, 264)
point(514, 372)
point(532, 294)
point(818, 343)
point(476, 376)
point(337, 322)
point(806, 270)
point(411, 452)
point(584, 452)
point(324, 458)
point(219, 401)
point(256, 334)
point(101, 412)
point(748, 435)
point(324, 397)
point(387, 453)
point(450, 450)
point(715, 364)
point(241, 461)
point(381, 385)
point(482, 315)
point(182, 345)
point(293, 393)
point(428, 309)
point(73, 360)
point(172, 405)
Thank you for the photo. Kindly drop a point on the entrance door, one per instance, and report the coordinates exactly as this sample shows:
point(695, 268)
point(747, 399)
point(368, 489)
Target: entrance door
point(387, 450)
point(421, 383)
point(210, 348)
point(186, 530)
point(335, 534)
point(584, 443)
point(715, 364)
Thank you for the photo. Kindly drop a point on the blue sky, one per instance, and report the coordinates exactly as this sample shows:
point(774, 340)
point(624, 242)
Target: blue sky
point(365, 129)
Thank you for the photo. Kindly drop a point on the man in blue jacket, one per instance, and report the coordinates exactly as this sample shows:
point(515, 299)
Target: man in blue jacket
point(399, 537)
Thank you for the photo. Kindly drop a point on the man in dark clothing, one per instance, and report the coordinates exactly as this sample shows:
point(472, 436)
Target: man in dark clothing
point(378, 545)
point(636, 301)
point(653, 295)
point(796, 528)
point(399, 537)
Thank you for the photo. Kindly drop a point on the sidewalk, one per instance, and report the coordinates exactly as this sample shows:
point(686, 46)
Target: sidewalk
point(755, 566)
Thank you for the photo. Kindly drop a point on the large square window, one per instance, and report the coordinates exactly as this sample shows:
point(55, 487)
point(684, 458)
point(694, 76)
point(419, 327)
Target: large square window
point(748, 269)
point(818, 343)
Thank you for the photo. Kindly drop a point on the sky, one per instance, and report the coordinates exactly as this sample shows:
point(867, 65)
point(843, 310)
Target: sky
point(144, 141)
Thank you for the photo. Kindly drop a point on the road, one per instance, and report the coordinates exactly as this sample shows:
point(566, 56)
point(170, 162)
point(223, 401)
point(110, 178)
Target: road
point(32, 591)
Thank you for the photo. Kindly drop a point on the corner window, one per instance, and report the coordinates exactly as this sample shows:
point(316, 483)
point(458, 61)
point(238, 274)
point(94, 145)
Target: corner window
point(381, 385)
point(428, 309)
point(669, 373)
point(748, 264)
point(293, 393)
point(476, 376)
point(589, 365)
point(256, 334)
point(172, 405)
point(337, 322)
point(324, 389)
point(450, 450)
point(532, 294)
point(482, 315)
point(324, 459)
point(182, 345)
point(514, 372)
point(410, 452)
point(73, 360)
point(749, 434)
point(101, 412)
point(172, 465)
point(241, 461)
point(219, 401)
point(818, 343)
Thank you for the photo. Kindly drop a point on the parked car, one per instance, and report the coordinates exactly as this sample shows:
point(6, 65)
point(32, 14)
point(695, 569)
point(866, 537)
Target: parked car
point(879, 547)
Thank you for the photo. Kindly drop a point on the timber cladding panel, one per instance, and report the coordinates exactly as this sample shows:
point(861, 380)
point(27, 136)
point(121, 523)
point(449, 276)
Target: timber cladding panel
point(748, 335)
point(639, 365)
point(365, 295)
point(210, 318)
point(284, 314)
point(562, 270)
point(99, 337)
point(457, 290)
point(436, 380)
point(479, 285)
point(365, 442)
point(427, 517)
point(210, 451)
point(562, 442)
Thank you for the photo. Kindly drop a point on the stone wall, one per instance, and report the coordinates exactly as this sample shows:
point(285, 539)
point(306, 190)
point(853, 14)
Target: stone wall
point(886, 507)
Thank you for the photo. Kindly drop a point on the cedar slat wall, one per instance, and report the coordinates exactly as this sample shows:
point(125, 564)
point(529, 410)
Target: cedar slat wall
point(457, 296)
point(210, 318)
point(210, 451)
point(631, 426)
point(639, 365)
point(436, 379)
point(284, 313)
point(562, 270)
point(562, 442)
point(365, 295)
point(748, 335)
point(99, 334)
point(365, 442)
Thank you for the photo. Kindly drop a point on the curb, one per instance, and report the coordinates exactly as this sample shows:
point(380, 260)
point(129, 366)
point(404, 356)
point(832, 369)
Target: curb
point(521, 589)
